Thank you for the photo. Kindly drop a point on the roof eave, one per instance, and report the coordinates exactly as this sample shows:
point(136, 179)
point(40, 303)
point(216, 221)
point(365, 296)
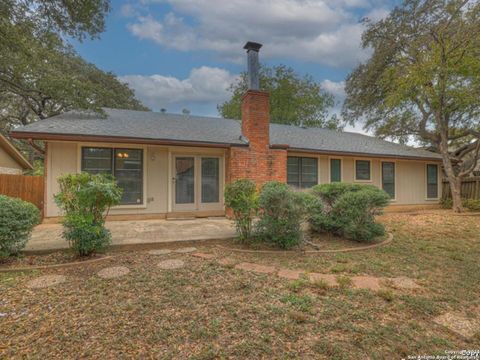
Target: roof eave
point(14, 153)
point(116, 139)
point(365, 154)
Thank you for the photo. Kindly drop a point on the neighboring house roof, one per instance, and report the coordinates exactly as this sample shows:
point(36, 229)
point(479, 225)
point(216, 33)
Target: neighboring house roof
point(11, 150)
point(146, 126)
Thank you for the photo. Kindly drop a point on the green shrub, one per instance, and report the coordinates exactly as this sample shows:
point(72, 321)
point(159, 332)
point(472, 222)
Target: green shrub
point(17, 219)
point(85, 235)
point(472, 204)
point(446, 203)
point(469, 204)
point(329, 193)
point(86, 200)
point(349, 210)
point(241, 197)
point(282, 211)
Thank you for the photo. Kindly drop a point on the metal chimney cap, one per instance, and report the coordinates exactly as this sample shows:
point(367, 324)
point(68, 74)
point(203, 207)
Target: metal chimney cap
point(250, 45)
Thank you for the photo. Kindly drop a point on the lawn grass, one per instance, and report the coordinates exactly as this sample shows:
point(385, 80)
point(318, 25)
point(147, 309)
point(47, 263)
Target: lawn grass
point(208, 311)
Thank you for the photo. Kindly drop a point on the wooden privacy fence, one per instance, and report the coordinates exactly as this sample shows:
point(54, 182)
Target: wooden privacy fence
point(28, 188)
point(470, 188)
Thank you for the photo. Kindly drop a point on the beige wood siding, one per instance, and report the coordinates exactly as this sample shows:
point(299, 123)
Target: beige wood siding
point(410, 176)
point(65, 157)
point(8, 165)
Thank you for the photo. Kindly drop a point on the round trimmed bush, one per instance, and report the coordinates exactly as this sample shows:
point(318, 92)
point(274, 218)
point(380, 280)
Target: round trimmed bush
point(17, 220)
point(282, 211)
point(349, 210)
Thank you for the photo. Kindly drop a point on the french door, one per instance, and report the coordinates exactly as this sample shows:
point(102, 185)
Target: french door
point(197, 183)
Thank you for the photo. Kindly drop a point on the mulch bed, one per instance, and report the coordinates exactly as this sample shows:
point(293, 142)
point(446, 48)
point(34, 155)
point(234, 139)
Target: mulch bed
point(315, 242)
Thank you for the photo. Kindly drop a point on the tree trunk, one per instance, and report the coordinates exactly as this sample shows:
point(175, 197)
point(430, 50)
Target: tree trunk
point(455, 187)
point(454, 180)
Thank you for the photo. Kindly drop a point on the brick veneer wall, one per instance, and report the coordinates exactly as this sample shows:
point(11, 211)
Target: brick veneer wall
point(258, 161)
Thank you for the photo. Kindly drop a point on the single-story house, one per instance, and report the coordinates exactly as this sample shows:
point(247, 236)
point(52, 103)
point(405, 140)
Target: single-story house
point(11, 160)
point(176, 165)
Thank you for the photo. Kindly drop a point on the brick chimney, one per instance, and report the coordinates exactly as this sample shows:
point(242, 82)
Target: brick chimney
point(259, 161)
point(255, 104)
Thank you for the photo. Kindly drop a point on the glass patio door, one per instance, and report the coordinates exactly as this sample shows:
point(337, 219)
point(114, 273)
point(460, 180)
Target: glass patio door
point(184, 181)
point(197, 183)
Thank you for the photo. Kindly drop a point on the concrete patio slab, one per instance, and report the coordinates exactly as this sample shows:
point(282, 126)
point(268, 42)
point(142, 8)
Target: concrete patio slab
point(47, 237)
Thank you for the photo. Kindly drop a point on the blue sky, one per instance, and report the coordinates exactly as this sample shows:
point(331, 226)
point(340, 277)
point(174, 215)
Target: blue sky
point(185, 53)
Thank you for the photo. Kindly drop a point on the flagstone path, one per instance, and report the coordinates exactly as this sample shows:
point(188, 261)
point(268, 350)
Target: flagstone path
point(46, 281)
point(458, 323)
point(113, 272)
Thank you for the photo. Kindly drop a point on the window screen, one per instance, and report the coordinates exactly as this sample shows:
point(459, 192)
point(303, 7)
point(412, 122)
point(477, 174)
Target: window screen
point(125, 164)
point(362, 170)
point(388, 178)
point(302, 172)
point(335, 170)
point(432, 181)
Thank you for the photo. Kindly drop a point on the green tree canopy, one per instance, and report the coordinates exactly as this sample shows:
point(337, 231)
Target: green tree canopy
point(294, 99)
point(423, 81)
point(40, 74)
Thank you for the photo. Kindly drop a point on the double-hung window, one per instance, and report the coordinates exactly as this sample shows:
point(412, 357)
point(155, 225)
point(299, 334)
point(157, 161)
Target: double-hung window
point(126, 165)
point(302, 172)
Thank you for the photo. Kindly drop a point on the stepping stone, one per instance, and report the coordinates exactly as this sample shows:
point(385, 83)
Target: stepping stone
point(404, 283)
point(263, 269)
point(329, 279)
point(226, 261)
point(459, 324)
point(113, 272)
point(203, 256)
point(290, 274)
point(171, 264)
point(160, 252)
point(185, 250)
point(46, 281)
point(366, 282)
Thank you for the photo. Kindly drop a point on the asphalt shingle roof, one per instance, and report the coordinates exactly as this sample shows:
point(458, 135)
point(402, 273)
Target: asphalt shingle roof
point(171, 127)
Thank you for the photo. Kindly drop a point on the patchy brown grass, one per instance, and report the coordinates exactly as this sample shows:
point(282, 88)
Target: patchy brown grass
point(209, 311)
point(59, 257)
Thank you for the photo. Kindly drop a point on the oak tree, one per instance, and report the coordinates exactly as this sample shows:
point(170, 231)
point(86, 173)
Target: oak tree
point(422, 82)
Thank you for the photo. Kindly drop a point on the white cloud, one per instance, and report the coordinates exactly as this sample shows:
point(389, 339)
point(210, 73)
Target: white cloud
point(205, 87)
point(321, 31)
point(336, 88)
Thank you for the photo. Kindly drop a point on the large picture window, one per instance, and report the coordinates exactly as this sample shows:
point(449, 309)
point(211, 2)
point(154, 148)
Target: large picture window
point(125, 164)
point(432, 181)
point(302, 172)
point(362, 170)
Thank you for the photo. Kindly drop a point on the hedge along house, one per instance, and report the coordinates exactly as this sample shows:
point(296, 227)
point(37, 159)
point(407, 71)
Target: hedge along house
point(177, 165)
